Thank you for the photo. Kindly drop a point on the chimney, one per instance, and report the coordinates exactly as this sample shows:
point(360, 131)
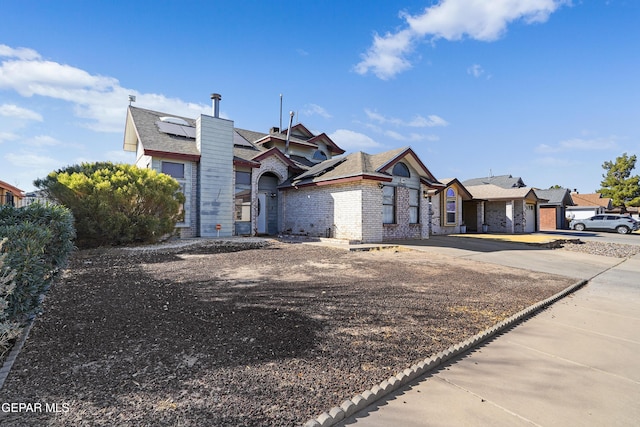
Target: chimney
point(216, 97)
point(274, 130)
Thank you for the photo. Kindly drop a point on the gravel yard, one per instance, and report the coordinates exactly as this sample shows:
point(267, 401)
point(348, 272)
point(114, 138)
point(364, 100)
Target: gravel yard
point(604, 249)
point(247, 335)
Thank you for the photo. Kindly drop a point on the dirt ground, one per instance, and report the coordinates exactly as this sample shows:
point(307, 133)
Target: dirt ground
point(215, 334)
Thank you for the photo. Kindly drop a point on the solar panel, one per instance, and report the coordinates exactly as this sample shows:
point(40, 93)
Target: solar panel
point(176, 129)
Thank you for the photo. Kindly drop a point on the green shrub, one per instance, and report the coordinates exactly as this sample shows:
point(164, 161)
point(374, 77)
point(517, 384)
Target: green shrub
point(116, 203)
point(9, 329)
point(37, 245)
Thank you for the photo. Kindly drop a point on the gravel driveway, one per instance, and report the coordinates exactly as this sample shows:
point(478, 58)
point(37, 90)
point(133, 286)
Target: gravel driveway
point(246, 335)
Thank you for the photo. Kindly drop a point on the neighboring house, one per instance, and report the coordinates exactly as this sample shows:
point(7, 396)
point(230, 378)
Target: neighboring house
point(553, 212)
point(632, 211)
point(502, 210)
point(503, 181)
point(450, 214)
point(588, 205)
point(241, 182)
point(501, 204)
point(10, 195)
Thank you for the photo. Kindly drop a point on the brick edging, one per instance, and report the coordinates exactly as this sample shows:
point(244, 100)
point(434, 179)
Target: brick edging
point(360, 401)
point(13, 354)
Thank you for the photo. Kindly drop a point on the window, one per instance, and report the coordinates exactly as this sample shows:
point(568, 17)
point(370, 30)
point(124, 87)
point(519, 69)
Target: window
point(9, 199)
point(319, 155)
point(451, 203)
point(175, 170)
point(388, 205)
point(414, 206)
point(400, 169)
point(243, 196)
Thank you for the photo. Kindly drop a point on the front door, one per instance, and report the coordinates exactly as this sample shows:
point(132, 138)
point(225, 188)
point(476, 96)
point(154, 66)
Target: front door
point(530, 219)
point(262, 213)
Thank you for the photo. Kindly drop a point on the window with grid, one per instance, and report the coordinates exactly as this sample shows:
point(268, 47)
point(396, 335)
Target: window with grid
point(388, 204)
point(451, 203)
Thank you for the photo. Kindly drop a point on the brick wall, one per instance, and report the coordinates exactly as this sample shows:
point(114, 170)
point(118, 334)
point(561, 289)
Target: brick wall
point(350, 211)
point(275, 166)
point(402, 229)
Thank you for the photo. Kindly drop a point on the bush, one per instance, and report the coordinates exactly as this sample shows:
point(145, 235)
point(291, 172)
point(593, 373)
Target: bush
point(37, 245)
point(116, 204)
point(9, 329)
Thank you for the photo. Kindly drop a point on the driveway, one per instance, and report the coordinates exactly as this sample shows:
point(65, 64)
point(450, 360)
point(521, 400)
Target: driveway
point(518, 255)
point(574, 363)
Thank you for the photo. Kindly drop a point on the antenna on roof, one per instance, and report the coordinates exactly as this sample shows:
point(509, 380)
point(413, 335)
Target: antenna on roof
point(280, 113)
point(286, 146)
point(132, 98)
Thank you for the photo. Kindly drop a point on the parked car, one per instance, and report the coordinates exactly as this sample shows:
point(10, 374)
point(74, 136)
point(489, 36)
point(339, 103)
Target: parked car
point(620, 223)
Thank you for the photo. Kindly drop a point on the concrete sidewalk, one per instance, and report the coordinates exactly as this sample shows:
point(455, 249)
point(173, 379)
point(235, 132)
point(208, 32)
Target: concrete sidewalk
point(575, 363)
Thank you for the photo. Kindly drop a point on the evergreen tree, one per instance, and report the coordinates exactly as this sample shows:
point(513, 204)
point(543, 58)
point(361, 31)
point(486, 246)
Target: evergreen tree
point(619, 184)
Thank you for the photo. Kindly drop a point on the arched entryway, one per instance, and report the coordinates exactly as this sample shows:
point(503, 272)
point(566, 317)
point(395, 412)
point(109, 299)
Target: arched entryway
point(267, 209)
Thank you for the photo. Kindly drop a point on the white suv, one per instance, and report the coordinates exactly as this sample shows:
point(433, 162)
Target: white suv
point(620, 223)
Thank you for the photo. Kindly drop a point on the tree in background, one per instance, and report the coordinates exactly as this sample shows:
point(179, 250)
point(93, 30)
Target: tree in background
point(116, 203)
point(619, 184)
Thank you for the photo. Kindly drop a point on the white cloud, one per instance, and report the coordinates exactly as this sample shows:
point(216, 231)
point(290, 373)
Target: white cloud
point(475, 70)
point(580, 144)
point(99, 99)
point(21, 52)
point(42, 141)
point(11, 110)
point(353, 141)
point(549, 161)
point(7, 136)
point(31, 161)
point(417, 121)
point(450, 20)
point(315, 110)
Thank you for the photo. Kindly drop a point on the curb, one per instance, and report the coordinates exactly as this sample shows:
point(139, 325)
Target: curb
point(361, 401)
point(13, 354)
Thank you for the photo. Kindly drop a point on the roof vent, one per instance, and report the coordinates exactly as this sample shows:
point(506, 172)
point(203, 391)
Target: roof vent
point(175, 121)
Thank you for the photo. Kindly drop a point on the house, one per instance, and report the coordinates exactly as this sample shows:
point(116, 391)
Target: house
point(10, 195)
point(502, 210)
point(503, 181)
point(502, 204)
point(632, 211)
point(369, 198)
point(588, 205)
point(242, 182)
point(553, 212)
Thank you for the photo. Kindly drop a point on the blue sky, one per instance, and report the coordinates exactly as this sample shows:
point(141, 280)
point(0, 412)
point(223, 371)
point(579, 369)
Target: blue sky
point(543, 89)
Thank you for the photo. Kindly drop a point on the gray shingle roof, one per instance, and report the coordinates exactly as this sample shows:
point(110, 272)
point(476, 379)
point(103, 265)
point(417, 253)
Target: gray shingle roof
point(152, 139)
point(504, 181)
point(555, 196)
point(351, 165)
point(493, 192)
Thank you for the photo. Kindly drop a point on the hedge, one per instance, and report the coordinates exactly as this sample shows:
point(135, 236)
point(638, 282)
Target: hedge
point(38, 240)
